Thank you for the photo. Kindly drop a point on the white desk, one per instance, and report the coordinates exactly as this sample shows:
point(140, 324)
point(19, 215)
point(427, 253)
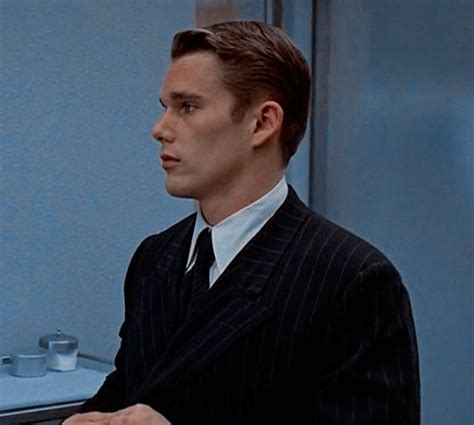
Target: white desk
point(53, 396)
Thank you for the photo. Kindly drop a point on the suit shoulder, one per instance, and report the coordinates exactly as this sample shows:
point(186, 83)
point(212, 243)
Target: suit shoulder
point(343, 261)
point(340, 245)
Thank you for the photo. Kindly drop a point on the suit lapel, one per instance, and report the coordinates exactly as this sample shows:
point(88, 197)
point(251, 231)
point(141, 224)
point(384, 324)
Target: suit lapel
point(254, 265)
point(231, 309)
point(173, 261)
point(163, 290)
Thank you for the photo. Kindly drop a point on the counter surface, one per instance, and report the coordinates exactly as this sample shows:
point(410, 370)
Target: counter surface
point(53, 388)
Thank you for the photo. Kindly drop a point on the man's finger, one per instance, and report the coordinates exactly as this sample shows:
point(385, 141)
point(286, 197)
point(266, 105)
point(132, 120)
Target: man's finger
point(90, 417)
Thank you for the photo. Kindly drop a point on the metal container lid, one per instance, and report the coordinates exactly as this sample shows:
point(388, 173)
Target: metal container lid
point(28, 354)
point(28, 363)
point(59, 342)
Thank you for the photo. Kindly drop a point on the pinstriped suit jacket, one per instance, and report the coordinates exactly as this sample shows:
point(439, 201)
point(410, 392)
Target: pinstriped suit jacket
point(309, 324)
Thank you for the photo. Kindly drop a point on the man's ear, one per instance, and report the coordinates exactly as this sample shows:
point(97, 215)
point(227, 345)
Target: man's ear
point(267, 123)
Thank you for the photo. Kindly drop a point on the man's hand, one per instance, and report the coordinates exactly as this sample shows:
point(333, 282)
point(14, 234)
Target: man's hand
point(88, 418)
point(139, 414)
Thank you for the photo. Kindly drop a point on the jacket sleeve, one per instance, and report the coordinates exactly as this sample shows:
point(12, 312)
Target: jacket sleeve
point(111, 395)
point(371, 375)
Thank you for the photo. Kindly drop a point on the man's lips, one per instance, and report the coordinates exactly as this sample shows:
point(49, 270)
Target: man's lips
point(168, 161)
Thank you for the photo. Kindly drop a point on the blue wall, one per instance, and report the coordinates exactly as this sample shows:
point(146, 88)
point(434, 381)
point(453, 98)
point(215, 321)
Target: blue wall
point(398, 168)
point(81, 182)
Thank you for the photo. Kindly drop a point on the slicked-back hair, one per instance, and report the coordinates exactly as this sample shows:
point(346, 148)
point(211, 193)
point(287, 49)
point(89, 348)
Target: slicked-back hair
point(260, 63)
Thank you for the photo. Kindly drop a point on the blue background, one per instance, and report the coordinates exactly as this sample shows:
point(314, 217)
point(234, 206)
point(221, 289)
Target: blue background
point(389, 155)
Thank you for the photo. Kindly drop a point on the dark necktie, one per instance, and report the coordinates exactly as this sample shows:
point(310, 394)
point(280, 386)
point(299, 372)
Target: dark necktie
point(198, 276)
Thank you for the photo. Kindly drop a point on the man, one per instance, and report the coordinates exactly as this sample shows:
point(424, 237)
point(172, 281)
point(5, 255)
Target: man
point(255, 309)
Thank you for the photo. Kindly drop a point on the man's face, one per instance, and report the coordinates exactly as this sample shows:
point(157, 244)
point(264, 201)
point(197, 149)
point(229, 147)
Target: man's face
point(203, 152)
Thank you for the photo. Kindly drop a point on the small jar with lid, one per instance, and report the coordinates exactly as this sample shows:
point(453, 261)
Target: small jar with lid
point(28, 363)
point(62, 351)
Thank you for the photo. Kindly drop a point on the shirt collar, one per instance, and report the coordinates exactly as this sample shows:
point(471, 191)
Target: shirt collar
point(233, 233)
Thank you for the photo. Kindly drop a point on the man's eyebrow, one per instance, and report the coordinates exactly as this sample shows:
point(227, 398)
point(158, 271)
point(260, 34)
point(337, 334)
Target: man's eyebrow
point(182, 96)
point(185, 95)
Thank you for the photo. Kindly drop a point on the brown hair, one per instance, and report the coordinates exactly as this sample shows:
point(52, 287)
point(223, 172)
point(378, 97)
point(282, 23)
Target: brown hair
point(260, 63)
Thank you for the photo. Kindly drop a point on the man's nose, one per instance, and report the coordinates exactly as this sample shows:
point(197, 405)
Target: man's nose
point(162, 131)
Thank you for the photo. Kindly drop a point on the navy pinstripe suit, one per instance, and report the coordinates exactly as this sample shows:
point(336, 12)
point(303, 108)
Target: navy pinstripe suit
point(309, 324)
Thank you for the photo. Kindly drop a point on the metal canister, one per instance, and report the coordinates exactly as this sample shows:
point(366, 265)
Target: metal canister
point(28, 363)
point(62, 351)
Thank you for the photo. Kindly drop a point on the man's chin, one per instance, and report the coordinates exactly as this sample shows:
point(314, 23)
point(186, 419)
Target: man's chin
point(178, 191)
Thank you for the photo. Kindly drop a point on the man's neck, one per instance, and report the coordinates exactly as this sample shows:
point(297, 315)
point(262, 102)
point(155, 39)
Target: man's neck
point(217, 208)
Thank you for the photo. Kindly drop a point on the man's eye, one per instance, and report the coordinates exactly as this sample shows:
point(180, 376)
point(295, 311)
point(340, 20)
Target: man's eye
point(187, 107)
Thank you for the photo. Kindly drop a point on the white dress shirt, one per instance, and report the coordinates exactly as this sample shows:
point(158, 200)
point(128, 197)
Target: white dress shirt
point(233, 233)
